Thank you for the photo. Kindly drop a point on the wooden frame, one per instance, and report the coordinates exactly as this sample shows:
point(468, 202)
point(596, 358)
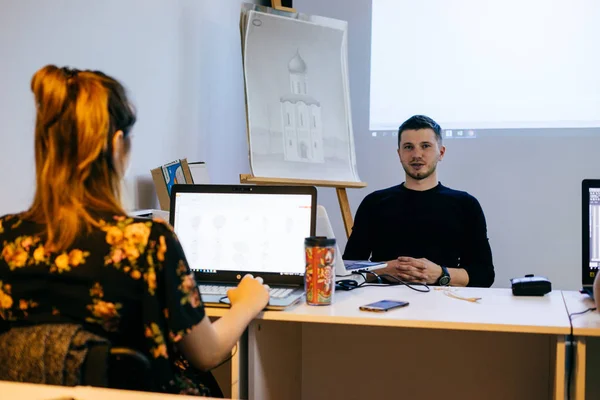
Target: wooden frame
point(276, 4)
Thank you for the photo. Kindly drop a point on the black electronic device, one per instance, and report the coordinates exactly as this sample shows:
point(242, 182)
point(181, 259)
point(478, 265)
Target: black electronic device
point(530, 285)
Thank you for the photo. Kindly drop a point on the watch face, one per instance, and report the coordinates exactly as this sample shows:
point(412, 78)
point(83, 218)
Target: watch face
point(444, 280)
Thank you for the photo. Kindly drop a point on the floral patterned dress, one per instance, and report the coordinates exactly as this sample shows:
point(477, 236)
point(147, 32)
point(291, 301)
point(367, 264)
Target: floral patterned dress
point(128, 281)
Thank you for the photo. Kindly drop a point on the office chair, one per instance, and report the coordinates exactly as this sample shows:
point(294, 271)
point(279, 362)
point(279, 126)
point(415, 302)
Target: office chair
point(102, 366)
point(116, 368)
point(67, 354)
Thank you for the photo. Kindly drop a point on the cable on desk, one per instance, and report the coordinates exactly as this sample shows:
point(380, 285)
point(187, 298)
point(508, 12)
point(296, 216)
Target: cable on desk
point(409, 285)
point(581, 312)
point(572, 355)
point(456, 296)
point(224, 300)
point(349, 284)
point(376, 275)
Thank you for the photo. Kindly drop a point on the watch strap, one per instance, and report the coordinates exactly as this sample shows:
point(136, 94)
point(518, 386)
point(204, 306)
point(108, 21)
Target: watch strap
point(444, 279)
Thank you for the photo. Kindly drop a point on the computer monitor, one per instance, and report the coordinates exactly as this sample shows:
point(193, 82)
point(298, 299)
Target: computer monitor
point(590, 224)
point(227, 231)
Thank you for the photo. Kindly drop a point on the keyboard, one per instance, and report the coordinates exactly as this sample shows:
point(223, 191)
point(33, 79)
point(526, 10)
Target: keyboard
point(276, 293)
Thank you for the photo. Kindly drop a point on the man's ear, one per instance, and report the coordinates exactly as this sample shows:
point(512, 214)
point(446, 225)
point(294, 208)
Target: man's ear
point(442, 152)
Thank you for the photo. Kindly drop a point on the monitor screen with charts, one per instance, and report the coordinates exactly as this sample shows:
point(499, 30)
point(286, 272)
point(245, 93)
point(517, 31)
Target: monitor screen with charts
point(591, 230)
point(262, 229)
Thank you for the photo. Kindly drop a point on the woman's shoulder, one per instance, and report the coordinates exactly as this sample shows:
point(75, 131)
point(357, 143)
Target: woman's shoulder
point(137, 231)
point(133, 241)
point(10, 222)
point(139, 225)
point(8, 216)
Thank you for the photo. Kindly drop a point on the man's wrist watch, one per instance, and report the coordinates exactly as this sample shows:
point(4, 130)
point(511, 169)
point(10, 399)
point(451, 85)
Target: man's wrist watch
point(444, 279)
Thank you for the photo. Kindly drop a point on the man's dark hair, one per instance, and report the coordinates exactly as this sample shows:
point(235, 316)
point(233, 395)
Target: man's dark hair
point(417, 122)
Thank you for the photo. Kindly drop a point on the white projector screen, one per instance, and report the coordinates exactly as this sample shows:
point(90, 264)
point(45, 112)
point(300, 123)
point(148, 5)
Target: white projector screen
point(486, 64)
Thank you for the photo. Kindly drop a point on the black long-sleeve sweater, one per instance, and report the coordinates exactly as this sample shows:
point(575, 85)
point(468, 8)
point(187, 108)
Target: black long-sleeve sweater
point(443, 225)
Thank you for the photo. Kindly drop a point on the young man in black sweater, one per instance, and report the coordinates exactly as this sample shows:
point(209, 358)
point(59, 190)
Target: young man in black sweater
point(425, 231)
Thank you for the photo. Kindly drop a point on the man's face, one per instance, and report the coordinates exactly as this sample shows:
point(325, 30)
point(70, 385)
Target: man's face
point(419, 153)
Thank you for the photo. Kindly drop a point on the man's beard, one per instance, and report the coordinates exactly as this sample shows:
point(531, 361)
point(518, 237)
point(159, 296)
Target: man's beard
point(420, 175)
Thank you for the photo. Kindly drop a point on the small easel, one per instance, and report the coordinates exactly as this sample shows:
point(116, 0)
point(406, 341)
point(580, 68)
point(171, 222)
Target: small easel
point(276, 4)
point(340, 188)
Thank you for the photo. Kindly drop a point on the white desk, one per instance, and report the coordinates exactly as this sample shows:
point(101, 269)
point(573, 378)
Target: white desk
point(501, 347)
point(30, 391)
point(586, 332)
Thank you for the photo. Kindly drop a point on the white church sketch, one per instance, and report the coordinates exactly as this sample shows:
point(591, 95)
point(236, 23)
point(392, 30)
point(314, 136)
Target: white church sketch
point(301, 117)
point(297, 99)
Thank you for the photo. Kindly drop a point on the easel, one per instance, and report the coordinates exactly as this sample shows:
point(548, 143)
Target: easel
point(340, 189)
point(276, 4)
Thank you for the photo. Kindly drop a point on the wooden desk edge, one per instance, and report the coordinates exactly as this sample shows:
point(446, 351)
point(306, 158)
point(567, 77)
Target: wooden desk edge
point(569, 298)
point(283, 316)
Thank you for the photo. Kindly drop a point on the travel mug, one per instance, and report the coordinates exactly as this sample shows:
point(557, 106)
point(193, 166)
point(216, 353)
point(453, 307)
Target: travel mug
point(319, 276)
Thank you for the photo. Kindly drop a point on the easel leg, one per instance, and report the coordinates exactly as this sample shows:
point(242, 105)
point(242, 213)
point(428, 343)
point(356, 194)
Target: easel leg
point(345, 207)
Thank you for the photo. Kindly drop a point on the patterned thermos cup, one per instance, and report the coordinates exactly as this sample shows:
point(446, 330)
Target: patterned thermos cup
point(319, 277)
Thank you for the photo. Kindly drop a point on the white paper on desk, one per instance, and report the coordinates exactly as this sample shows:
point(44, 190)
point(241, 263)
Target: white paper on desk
point(297, 97)
point(199, 172)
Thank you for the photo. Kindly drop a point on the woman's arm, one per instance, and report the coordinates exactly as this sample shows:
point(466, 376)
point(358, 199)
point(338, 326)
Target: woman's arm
point(208, 344)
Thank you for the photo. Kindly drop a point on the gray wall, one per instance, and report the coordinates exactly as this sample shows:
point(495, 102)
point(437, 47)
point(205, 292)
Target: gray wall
point(528, 186)
point(181, 61)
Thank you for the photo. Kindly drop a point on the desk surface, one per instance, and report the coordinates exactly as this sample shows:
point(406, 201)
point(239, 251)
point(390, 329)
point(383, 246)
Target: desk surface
point(497, 311)
point(30, 391)
point(587, 324)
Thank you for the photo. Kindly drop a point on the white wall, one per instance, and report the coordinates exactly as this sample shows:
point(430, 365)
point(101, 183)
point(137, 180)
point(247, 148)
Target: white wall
point(529, 187)
point(180, 60)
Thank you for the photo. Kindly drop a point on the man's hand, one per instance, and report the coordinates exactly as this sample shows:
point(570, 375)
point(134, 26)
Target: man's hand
point(391, 270)
point(419, 270)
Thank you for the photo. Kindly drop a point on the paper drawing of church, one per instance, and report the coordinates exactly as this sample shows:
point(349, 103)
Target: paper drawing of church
point(301, 117)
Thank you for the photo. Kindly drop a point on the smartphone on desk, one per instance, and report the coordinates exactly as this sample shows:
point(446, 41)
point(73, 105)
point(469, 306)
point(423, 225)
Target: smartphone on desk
point(383, 305)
